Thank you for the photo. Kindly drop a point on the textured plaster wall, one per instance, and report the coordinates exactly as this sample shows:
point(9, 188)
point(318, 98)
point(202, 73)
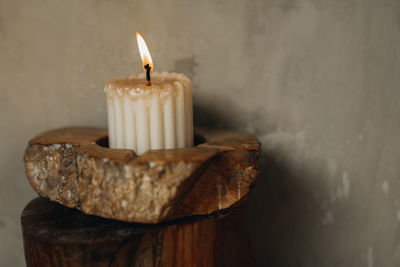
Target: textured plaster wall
point(318, 81)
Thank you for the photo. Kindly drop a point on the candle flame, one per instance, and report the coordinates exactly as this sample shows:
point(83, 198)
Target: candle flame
point(144, 52)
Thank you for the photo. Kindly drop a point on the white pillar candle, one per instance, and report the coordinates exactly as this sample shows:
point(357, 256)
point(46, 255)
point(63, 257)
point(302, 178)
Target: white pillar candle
point(180, 116)
point(111, 126)
point(142, 126)
point(118, 120)
point(129, 129)
point(156, 116)
point(156, 123)
point(169, 122)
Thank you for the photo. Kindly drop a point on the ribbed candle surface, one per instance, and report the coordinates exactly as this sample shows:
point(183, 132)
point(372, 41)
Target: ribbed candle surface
point(142, 117)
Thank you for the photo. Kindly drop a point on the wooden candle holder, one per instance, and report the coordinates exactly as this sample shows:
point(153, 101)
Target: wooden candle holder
point(74, 166)
point(58, 236)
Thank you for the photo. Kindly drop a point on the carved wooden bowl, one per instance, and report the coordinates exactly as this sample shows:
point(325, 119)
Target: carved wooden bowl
point(74, 166)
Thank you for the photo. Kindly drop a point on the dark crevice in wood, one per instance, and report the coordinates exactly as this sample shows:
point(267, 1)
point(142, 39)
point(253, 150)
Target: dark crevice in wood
point(198, 140)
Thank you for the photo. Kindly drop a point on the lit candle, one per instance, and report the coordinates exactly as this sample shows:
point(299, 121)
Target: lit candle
point(150, 110)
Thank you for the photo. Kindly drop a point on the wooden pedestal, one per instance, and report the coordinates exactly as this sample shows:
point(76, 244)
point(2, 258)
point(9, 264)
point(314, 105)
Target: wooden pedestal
point(58, 236)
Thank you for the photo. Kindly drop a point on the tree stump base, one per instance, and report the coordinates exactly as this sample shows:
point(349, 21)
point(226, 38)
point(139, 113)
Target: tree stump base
point(55, 235)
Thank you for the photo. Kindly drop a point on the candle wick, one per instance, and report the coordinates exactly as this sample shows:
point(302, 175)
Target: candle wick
point(148, 68)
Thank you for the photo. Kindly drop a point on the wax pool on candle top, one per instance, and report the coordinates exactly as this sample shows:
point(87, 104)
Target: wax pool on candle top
point(142, 117)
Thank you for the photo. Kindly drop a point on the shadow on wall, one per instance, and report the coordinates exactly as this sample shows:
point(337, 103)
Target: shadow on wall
point(283, 211)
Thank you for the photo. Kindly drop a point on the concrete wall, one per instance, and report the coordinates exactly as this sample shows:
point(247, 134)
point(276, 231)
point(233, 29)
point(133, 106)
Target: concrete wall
point(318, 81)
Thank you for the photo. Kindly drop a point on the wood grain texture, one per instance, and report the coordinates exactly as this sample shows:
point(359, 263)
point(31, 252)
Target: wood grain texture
point(70, 167)
point(58, 236)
